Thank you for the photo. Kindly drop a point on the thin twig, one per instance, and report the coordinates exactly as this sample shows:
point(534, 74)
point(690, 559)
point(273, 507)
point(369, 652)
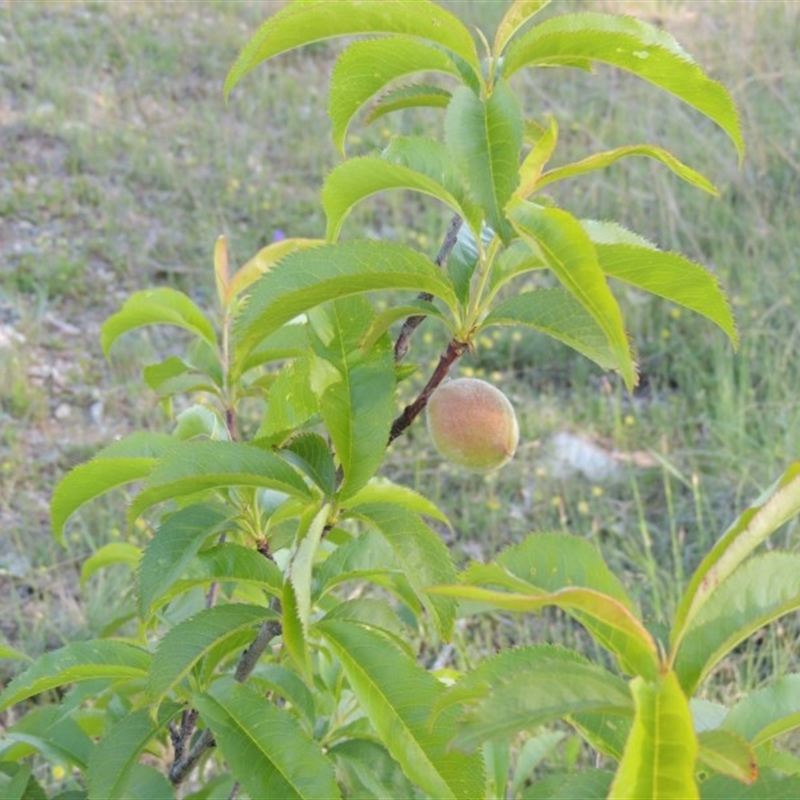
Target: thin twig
point(412, 323)
point(455, 350)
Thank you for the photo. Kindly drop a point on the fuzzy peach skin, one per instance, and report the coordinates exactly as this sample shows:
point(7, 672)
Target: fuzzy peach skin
point(472, 424)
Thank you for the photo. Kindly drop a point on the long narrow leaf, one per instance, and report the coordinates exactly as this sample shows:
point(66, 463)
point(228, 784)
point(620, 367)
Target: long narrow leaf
point(485, 137)
point(268, 752)
point(298, 24)
point(775, 507)
point(518, 14)
point(307, 279)
point(632, 45)
point(417, 95)
point(79, 661)
point(767, 712)
point(397, 695)
point(609, 157)
point(161, 306)
point(571, 255)
point(659, 758)
point(367, 67)
point(762, 590)
point(524, 688)
point(185, 644)
point(615, 627)
point(728, 754)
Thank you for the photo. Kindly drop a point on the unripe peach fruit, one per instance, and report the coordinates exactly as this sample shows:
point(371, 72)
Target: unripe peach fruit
point(472, 424)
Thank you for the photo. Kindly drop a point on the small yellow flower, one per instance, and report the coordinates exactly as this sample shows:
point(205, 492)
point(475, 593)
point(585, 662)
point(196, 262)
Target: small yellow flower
point(516, 336)
point(493, 504)
point(540, 472)
point(59, 773)
point(629, 420)
point(597, 491)
point(427, 338)
point(675, 313)
point(556, 502)
point(665, 334)
point(583, 507)
point(468, 372)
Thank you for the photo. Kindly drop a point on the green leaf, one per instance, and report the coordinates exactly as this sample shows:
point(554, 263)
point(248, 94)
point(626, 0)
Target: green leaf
point(374, 613)
point(359, 178)
point(307, 279)
point(268, 752)
point(189, 641)
point(530, 755)
point(299, 24)
point(88, 481)
point(382, 490)
point(556, 313)
point(78, 661)
point(762, 590)
point(424, 558)
point(367, 67)
point(355, 389)
point(775, 507)
point(383, 321)
point(521, 689)
point(518, 14)
point(263, 261)
point(290, 403)
point(659, 758)
point(302, 561)
point(7, 652)
point(531, 170)
point(728, 754)
point(767, 712)
point(227, 563)
point(108, 555)
point(397, 695)
point(571, 255)
point(609, 157)
point(311, 453)
point(176, 541)
point(175, 376)
point(577, 40)
point(294, 633)
point(768, 788)
point(592, 784)
point(368, 770)
point(148, 783)
point(628, 257)
point(418, 95)
point(278, 679)
point(161, 306)
point(114, 757)
point(485, 140)
point(605, 733)
point(612, 624)
point(50, 731)
point(198, 465)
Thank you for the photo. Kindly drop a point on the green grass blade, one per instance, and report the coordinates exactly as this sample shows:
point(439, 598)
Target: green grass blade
point(302, 23)
point(310, 278)
point(485, 138)
point(397, 696)
point(659, 758)
point(79, 661)
point(760, 591)
point(632, 45)
point(268, 752)
point(161, 306)
point(571, 255)
point(367, 67)
point(116, 754)
point(173, 546)
point(189, 641)
point(776, 506)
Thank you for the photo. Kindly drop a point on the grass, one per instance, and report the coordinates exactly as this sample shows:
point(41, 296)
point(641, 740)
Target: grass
point(122, 164)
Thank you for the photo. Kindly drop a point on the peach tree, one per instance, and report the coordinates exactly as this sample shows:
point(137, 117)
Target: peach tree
point(278, 612)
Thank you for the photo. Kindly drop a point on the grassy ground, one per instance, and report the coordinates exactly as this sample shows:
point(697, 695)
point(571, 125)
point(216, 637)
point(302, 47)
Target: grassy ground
point(120, 164)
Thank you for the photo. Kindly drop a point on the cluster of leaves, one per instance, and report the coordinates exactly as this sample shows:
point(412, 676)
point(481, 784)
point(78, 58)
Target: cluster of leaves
point(272, 640)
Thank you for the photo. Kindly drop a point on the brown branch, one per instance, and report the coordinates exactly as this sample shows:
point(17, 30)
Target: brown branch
point(454, 351)
point(412, 323)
